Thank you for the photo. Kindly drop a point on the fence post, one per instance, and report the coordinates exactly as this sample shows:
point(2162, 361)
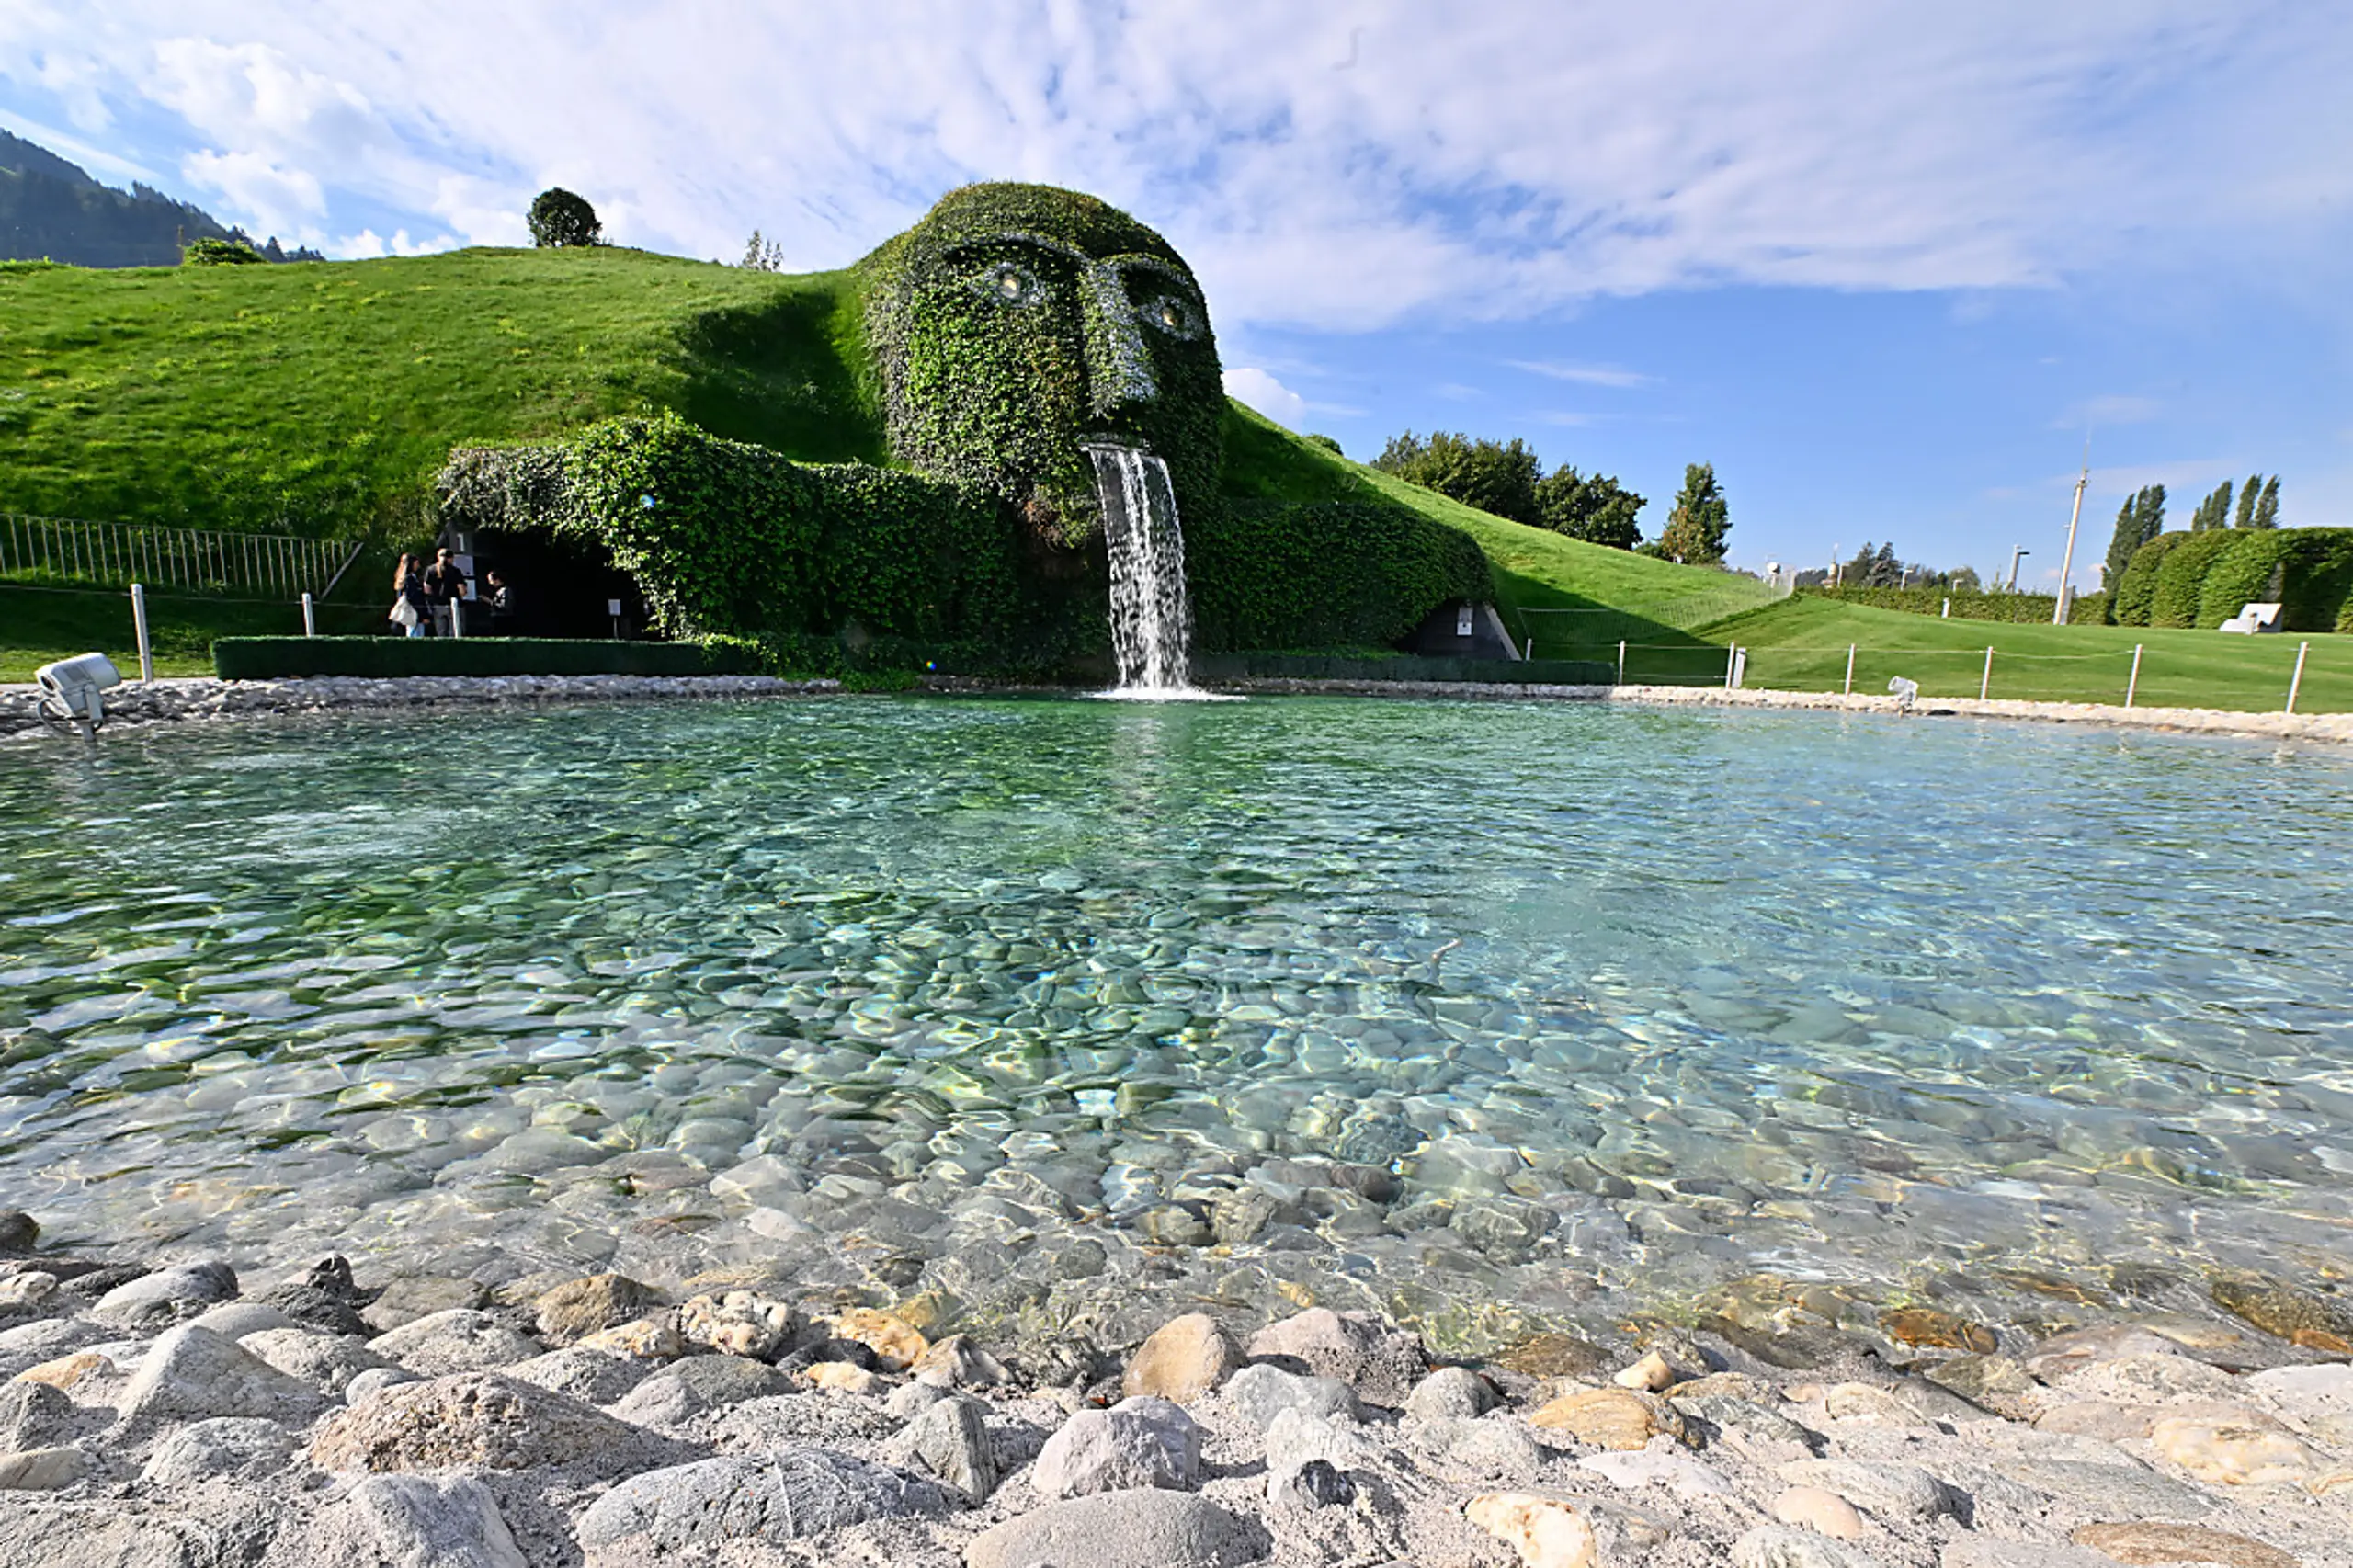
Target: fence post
point(310, 619)
point(1850, 669)
point(1531, 655)
point(1986, 685)
point(138, 631)
point(1946, 613)
point(2297, 680)
point(2133, 685)
point(1732, 652)
point(1621, 661)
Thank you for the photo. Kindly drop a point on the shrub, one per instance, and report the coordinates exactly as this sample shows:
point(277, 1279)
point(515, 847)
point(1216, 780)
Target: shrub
point(2131, 594)
point(220, 253)
point(2017, 609)
point(382, 658)
point(2181, 577)
point(2250, 570)
point(1323, 574)
point(2317, 595)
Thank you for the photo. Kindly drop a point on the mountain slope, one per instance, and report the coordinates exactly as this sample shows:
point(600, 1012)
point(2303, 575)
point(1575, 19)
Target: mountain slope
point(51, 208)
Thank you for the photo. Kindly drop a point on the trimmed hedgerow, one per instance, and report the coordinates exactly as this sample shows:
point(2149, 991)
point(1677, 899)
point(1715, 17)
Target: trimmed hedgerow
point(386, 658)
point(2020, 609)
point(1015, 321)
point(2181, 577)
point(2250, 570)
point(1322, 574)
point(2317, 593)
point(2132, 593)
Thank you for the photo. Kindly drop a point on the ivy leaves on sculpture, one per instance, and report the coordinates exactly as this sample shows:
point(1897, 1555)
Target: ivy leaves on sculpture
point(1017, 324)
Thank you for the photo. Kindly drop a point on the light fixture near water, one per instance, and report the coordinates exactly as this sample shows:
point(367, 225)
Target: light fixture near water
point(71, 690)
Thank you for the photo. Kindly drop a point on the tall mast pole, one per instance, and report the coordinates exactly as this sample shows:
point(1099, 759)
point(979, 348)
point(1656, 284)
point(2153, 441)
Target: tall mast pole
point(2067, 563)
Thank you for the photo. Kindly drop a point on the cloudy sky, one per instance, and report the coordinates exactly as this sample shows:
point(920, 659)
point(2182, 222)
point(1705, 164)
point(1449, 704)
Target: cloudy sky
point(1880, 264)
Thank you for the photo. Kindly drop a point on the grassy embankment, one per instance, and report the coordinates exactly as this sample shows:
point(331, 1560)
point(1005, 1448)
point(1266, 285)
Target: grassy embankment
point(1799, 644)
point(318, 399)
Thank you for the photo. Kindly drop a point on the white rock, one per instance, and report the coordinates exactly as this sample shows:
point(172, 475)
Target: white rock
point(458, 1340)
point(43, 1469)
point(193, 1372)
point(1142, 1442)
point(234, 1320)
point(1778, 1546)
point(414, 1521)
point(1680, 1473)
point(166, 1295)
point(228, 1444)
point(326, 1361)
point(365, 1386)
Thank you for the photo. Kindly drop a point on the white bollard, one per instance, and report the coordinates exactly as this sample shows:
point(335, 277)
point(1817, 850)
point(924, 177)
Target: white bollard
point(1732, 658)
point(1850, 669)
point(310, 619)
point(2133, 685)
point(2296, 681)
point(1621, 661)
point(138, 631)
point(1947, 614)
point(1986, 685)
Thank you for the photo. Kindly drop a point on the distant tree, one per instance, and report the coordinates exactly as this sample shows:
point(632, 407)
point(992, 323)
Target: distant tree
point(1597, 510)
point(1495, 476)
point(762, 255)
point(1697, 528)
point(1964, 580)
point(2247, 494)
point(220, 253)
point(2212, 513)
point(2266, 510)
point(1329, 443)
point(559, 218)
point(2139, 520)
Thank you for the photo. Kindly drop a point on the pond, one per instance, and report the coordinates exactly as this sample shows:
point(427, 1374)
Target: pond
point(1061, 1010)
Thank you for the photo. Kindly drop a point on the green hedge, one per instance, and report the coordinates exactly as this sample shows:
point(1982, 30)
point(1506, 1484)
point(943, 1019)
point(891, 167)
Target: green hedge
point(2018, 610)
point(2136, 590)
point(290, 658)
point(2250, 570)
point(2318, 593)
point(1406, 666)
point(2181, 577)
point(1322, 574)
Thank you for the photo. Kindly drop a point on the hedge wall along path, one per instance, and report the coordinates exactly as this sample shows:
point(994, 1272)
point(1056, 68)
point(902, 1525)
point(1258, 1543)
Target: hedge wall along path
point(1322, 574)
point(2183, 579)
point(1015, 321)
point(388, 658)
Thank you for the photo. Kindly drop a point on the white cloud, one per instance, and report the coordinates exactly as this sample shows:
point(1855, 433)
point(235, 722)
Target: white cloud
point(1513, 161)
point(1267, 396)
point(1584, 375)
point(272, 200)
point(367, 245)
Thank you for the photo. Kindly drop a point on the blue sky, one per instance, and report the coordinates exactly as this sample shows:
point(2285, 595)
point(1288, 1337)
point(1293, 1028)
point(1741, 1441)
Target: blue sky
point(1879, 264)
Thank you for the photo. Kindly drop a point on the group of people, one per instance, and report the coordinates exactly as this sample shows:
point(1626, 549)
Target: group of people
point(426, 599)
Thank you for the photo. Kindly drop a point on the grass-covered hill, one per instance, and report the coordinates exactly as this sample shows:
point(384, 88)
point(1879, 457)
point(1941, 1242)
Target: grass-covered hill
point(319, 399)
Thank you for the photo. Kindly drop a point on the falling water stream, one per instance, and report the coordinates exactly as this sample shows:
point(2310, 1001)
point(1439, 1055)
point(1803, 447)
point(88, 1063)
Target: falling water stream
point(1152, 623)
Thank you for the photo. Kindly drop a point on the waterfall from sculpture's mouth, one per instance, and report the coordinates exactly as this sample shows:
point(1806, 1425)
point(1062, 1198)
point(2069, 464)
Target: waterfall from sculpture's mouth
point(1152, 622)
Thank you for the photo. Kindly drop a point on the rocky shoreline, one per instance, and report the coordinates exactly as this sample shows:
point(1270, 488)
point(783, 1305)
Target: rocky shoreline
point(168, 1413)
point(182, 701)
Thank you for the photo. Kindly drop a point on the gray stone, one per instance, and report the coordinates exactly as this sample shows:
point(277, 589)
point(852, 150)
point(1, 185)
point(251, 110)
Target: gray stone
point(1995, 1382)
point(1506, 1229)
point(707, 1383)
point(29, 1345)
point(315, 1308)
point(949, 1440)
point(234, 1320)
point(578, 1308)
point(405, 1300)
point(413, 1521)
point(458, 1340)
point(1489, 1448)
point(1318, 1483)
point(34, 1415)
point(365, 1386)
point(1778, 1546)
point(2126, 1487)
point(193, 1372)
point(1978, 1551)
point(112, 1534)
point(228, 1445)
point(1242, 1214)
point(780, 1497)
point(479, 1421)
point(1754, 1430)
point(1890, 1491)
point(593, 1377)
point(1142, 1442)
point(1122, 1529)
point(1452, 1392)
point(910, 1399)
point(43, 1469)
point(19, 1231)
point(322, 1360)
point(1381, 1363)
point(1263, 1393)
point(2057, 1357)
point(166, 1296)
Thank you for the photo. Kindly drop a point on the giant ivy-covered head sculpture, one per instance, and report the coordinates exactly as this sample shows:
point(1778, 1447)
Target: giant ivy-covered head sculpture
point(1017, 323)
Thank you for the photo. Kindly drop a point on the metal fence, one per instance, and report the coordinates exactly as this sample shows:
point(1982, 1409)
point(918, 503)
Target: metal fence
point(66, 550)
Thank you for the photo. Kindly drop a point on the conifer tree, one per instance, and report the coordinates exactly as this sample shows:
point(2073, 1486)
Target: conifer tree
point(2139, 520)
point(2246, 518)
point(1695, 529)
point(2266, 510)
point(2212, 513)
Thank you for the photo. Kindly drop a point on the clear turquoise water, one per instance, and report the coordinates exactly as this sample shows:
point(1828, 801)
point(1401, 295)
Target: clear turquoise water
point(992, 994)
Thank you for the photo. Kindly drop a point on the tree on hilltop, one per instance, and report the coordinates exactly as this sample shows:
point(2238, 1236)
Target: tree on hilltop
point(558, 218)
point(1698, 527)
point(1597, 510)
point(1499, 477)
point(762, 255)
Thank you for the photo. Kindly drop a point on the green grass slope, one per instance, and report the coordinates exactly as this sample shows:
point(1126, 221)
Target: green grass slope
point(1799, 644)
point(319, 398)
point(1606, 593)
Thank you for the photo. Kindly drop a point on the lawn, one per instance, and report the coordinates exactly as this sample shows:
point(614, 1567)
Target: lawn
point(318, 399)
point(1799, 644)
point(37, 625)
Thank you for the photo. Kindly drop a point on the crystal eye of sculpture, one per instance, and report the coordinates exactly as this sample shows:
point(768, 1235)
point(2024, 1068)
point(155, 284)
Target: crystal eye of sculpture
point(1010, 283)
point(1174, 315)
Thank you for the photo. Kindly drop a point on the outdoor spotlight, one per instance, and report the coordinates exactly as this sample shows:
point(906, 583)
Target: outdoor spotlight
point(1906, 692)
point(70, 690)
